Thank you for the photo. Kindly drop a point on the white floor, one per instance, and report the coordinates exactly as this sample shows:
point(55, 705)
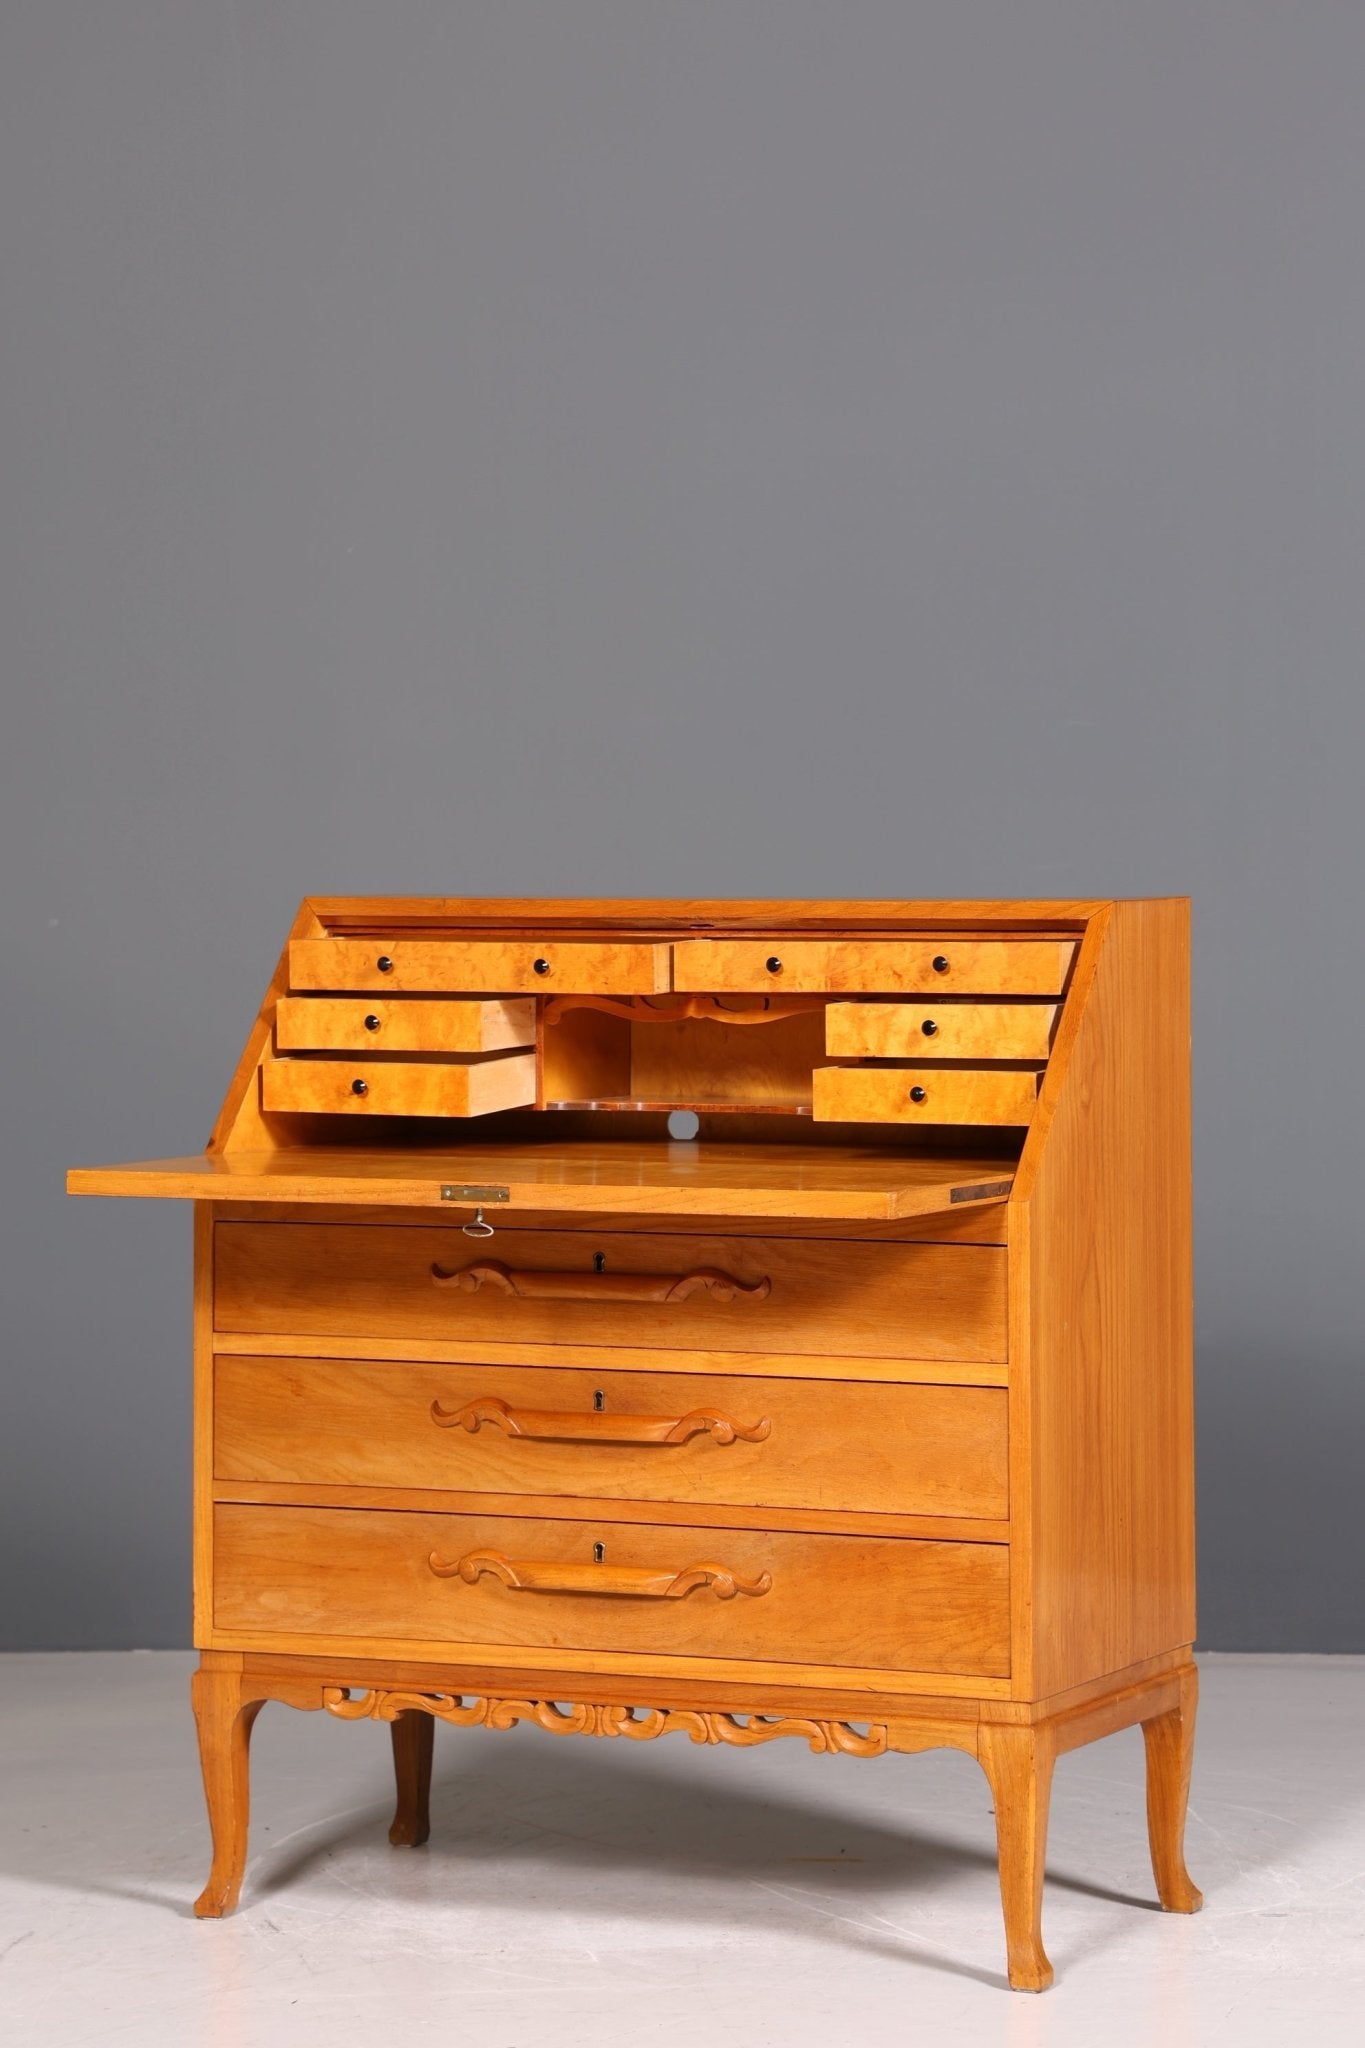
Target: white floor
point(579, 1891)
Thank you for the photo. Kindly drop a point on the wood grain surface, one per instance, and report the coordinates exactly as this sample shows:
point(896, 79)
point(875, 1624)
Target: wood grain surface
point(873, 1603)
point(374, 1024)
point(924, 1095)
point(479, 966)
point(920, 1300)
point(971, 966)
point(842, 1183)
point(854, 1446)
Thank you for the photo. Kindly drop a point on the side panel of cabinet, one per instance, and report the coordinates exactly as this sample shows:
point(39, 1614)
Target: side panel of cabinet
point(205, 1214)
point(1109, 1367)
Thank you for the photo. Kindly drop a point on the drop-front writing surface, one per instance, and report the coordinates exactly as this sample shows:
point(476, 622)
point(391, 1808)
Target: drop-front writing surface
point(864, 1417)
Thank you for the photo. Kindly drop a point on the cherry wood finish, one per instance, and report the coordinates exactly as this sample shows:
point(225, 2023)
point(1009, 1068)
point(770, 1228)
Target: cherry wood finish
point(684, 1437)
point(877, 1603)
point(826, 1184)
point(224, 1721)
point(865, 1420)
point(925, 1300)
point(413, 1743)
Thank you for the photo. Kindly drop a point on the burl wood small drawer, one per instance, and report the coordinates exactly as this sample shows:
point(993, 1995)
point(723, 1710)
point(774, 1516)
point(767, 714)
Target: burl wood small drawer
point(410, 1024)
point(390, 1577)
point(492, 966)
point(924, 1095)
point(679, 1437)
point(359, 1087)
point(912, 966)
point(799, 1295)
point(941, 1031)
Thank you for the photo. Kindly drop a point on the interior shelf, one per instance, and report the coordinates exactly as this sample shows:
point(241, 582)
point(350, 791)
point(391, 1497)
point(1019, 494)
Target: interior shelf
point(705, 1108)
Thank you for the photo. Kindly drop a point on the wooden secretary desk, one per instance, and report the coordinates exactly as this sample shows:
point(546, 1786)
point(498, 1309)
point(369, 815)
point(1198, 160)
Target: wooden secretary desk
point(862, 1417)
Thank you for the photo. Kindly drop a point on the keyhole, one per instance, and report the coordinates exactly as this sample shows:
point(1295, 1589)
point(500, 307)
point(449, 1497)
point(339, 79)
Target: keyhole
point(599, 1400)
point(599, 1262)
point(599, 1551)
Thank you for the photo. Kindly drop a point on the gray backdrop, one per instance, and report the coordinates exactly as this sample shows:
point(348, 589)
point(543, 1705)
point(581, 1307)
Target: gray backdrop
point(619, 447)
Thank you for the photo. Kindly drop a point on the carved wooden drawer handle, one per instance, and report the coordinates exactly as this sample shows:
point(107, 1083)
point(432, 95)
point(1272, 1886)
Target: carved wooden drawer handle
point(630, 1580)
point(600, 1286)
point(556, 1425)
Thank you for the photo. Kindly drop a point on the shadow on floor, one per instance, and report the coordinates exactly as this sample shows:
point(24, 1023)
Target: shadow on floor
point(620, 1833)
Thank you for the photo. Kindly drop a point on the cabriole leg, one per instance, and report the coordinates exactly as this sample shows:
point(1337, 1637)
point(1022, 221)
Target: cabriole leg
point(413, 1734)
point(1170, 1754)
point(1018, 1762)
point(224, 1722)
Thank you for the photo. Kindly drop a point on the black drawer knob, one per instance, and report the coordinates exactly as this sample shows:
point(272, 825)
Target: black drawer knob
point(774, 964)
point(360, 1087)
point(929, 1028)
point(541, 966)
point(372, 1022)
point(919, 1094)
point(384, 964)
point(940, 963)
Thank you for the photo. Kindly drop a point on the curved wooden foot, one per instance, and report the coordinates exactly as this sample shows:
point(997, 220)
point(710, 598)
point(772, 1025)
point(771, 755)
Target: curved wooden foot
point(1018, 1762)
point(413, 1734)
point(224, 1721)
point(1170, 1753)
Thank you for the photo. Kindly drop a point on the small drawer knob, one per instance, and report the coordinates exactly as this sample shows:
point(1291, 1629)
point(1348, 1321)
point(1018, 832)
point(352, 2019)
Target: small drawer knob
point(372, 1022)
point(929, 1028)
point(774, 965)
point(918, 1094)
point(384, 964)
point(940, 963)
point(360, 1087)
point(541, 966)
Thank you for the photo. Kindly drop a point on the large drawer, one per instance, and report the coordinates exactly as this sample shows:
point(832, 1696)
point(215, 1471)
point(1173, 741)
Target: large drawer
point(675, 1436)
point(390, 1577)
point(799, 1295)
point(912, 966)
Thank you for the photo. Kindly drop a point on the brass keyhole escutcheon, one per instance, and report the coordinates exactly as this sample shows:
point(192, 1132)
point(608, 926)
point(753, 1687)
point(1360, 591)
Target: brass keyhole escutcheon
point(599, 1400)
point(599, 1552)
point(599, 1262)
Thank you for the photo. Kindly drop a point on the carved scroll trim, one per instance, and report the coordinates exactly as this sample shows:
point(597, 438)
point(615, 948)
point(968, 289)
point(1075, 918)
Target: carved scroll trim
point(738, 1730)
point(547, 1425)
point(675, 1009)
point(550, 1286)
point(551, 1575)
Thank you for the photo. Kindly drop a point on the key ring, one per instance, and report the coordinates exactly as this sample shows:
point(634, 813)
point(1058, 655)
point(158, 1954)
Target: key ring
point(478, 1228)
